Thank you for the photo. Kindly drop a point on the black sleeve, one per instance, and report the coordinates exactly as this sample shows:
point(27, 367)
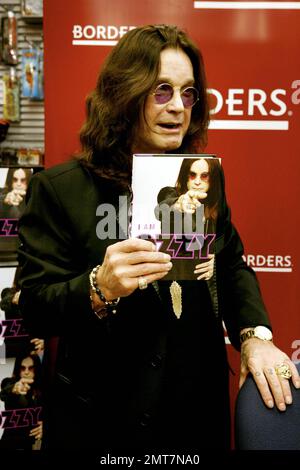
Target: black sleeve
point(167, 195)
point(7, 385)
point(240, 300)
point(54, 290)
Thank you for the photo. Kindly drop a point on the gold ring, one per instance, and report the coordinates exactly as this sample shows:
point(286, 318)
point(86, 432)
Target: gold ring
point(143, 284)
point(283, 371)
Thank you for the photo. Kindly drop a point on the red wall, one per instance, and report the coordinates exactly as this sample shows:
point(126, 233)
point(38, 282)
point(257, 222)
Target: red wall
point(253, 52)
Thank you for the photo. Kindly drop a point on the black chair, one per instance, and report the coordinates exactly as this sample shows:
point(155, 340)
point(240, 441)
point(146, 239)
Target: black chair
point(260, 428)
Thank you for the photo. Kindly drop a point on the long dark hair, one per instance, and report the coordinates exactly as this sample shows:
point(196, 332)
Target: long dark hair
point(212, 201)
point(113, 108)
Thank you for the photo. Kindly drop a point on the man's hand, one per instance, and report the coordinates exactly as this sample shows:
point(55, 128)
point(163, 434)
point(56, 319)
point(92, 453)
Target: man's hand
point(14, 197)
point(22, 386)
point(206, 270)
point(38, 345)
point(189, 201)
point(261, 358)
point(125, 262)
point(37, 432)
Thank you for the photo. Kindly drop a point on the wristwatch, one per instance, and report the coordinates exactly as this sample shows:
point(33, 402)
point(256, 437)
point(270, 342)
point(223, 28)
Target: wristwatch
point(261, 332)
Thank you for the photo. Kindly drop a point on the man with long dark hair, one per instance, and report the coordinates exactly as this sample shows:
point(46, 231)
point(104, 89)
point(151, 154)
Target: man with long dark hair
point(127, 373)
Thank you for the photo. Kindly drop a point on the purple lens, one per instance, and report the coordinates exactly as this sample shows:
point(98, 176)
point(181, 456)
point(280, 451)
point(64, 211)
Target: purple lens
point(163, 93)
point(189, 97)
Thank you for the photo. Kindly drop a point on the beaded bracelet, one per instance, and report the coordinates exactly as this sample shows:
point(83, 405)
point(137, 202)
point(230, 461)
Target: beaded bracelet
point(102, 312)
point(110, 305)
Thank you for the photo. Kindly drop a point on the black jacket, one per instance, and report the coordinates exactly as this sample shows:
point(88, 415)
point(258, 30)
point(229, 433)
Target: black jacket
point(119, 363)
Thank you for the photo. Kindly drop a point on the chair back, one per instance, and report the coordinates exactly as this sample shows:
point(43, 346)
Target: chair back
point(260, 428)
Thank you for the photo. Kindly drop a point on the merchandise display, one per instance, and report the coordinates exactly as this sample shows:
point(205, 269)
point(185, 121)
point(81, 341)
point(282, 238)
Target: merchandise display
point(11, 96)
point(32, 73)
point(21, 155)
point(32, 8)
point(9, 38)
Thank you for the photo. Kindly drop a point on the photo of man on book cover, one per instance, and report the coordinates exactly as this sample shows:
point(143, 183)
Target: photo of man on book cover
point(175, 203)
point(14, 182)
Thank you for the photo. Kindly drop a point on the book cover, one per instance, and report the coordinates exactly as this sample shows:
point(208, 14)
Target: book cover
point(14, 183)
point(175, 205)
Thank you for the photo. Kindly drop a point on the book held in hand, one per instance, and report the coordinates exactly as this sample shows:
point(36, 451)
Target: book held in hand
point(175, 204)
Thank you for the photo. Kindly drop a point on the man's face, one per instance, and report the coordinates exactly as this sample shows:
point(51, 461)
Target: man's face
point(27, 368)
point(19, 180)
point(162, 127)
point(199, 176)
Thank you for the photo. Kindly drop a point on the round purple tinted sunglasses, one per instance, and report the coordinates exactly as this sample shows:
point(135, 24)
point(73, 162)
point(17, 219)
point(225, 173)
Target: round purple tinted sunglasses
point(164, 93)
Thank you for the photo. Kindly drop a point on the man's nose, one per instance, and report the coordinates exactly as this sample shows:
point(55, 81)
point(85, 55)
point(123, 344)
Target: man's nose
point(175, 102)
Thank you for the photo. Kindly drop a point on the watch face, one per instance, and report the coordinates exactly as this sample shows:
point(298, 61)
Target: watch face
point(262, 332)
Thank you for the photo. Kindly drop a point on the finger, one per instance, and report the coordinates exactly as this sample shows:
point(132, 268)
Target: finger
point(127, 285)
point(36, 435)
point(139, 257)
point(207, 270)
point(277, 387)
point(17, 199)
point(206, 263)
point(144, 269)
point(36, 431)
point(196, 202)
point(285, 384)
point(243, 376)
point(286, 390)
point(156, 277)
point(129, 264)
point(201, 195)
point(204, 277)
point(188, 206)
point(295, 375)
point(130, 245)
point(25, 388)
point(203, 267)
point(263, 387)
point(134, 283)
point(133, 266)
point(189, 211)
